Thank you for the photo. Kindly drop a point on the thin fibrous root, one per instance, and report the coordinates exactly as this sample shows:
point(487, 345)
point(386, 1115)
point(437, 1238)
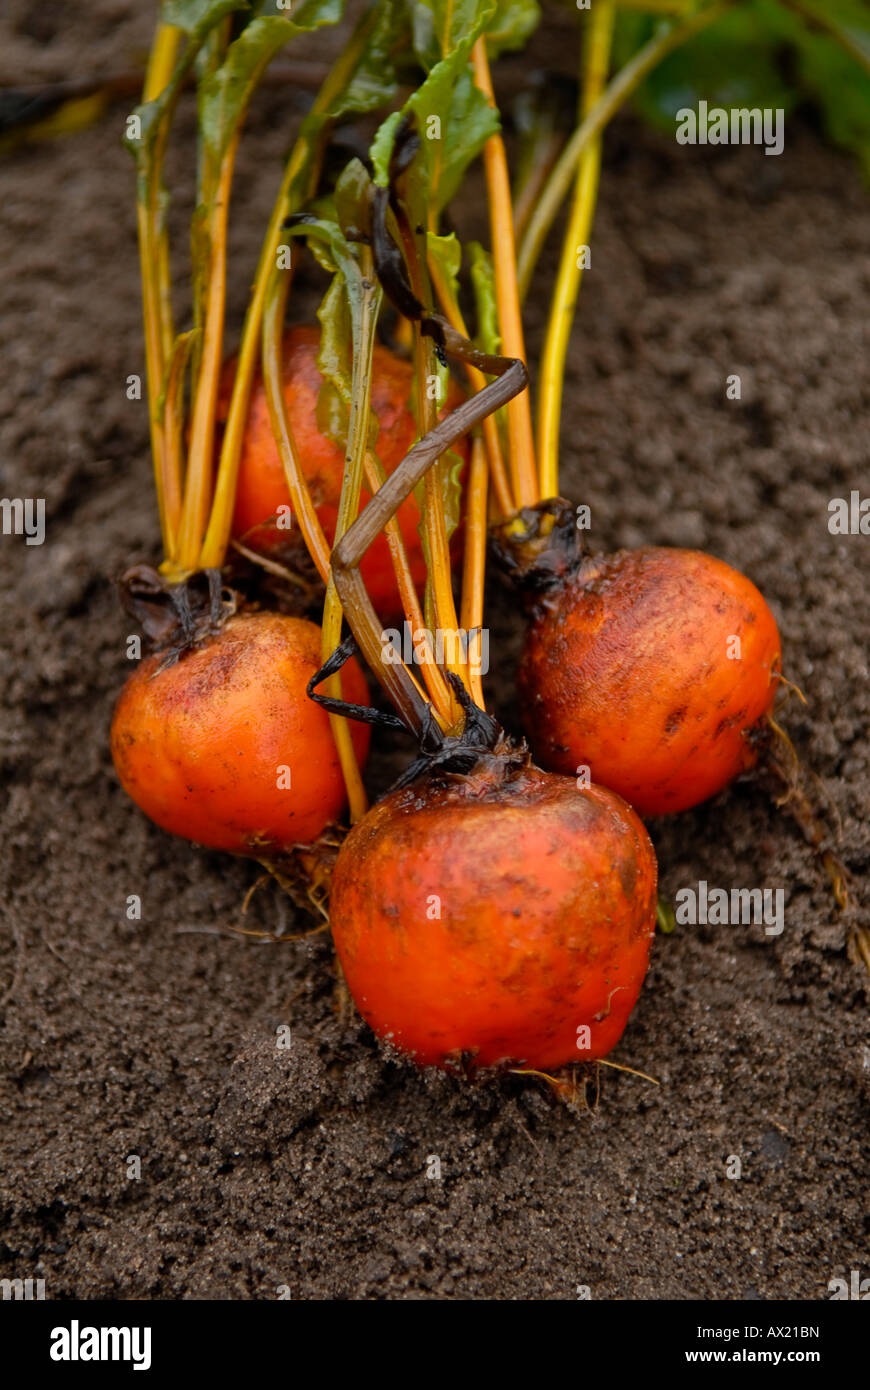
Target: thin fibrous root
point(293, 890)
point(632, 1071)
point(790, 685)
point(272, 567)
point(790, 780)
point(258, 882)
point(304, 871)
point(794, 799)
point(566, 1088)
point(342, 999)
point(273, 936)
point(859, 943)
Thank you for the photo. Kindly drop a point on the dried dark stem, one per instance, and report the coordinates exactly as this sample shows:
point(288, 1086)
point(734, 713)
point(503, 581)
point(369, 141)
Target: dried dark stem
point(395, 678)
point(510, 376)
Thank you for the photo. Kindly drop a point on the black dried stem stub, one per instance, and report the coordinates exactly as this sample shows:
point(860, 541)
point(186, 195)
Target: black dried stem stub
point(177, 617)
point(538, 546)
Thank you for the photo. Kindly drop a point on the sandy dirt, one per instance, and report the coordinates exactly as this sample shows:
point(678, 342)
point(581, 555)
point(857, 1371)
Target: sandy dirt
point(157, 1039)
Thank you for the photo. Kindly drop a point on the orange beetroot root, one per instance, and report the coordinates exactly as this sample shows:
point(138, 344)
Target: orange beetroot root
point(652, 668)
point(200, 744)
point(491, 918)
point(262, 488)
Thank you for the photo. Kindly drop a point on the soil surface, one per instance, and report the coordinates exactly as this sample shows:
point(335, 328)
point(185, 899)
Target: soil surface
point(157, 1038)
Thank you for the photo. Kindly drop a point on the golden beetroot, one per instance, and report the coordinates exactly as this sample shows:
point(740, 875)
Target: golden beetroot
point(652, 668)
point(499, 916)
point(224, 747)
point(262, 488)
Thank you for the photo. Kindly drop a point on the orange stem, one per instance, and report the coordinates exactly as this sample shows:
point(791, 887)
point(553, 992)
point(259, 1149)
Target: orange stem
point(477, 381)
point(474, 563)
point(439, 603)
point(410, 600)
point(524, 472)
point(198, 486)
point(273, 381)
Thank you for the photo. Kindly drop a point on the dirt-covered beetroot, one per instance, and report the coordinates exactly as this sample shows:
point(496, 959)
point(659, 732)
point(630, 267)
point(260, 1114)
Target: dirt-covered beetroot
point(499, 916)
point(652, 668)
point(224, 747)
point(262, 489)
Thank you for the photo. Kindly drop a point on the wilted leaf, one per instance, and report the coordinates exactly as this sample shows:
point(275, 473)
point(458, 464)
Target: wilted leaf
point(453, 119)
point(512, 26)
point(198, 18)
point(340, 311)
point(224, 94)
point(488, 337)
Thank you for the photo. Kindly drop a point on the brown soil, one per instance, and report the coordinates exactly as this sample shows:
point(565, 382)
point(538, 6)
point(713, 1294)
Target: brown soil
point(307, 1167)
